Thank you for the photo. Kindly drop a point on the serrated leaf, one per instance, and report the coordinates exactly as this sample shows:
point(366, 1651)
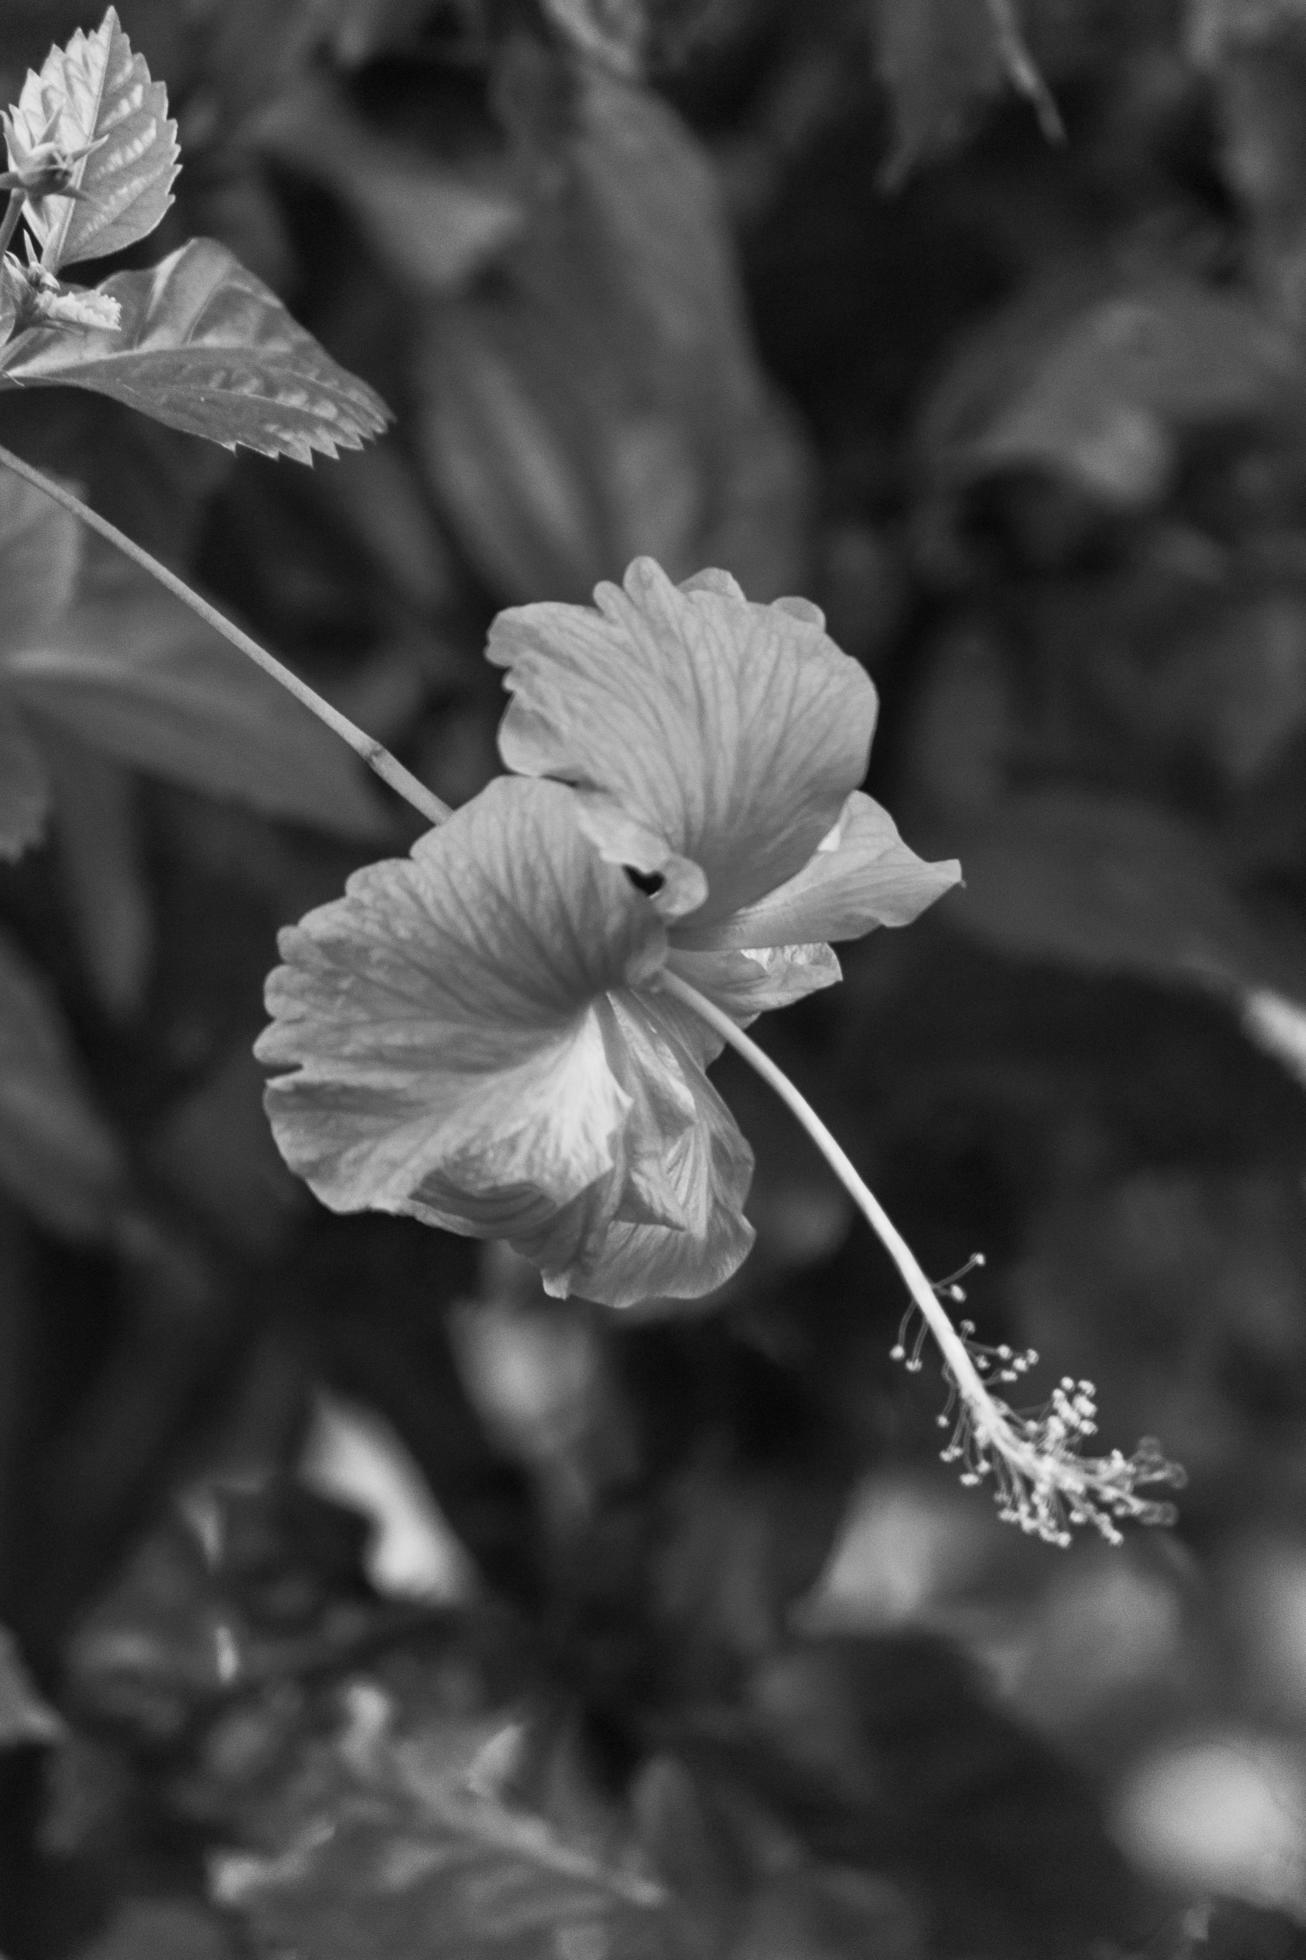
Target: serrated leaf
point(206, 347)
point(136, 677)
point(95, 96)
point(57, 1155)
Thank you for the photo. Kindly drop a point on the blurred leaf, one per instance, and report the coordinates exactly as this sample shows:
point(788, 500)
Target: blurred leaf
point(434, 219)
point(885, 1755)
point(616, 31)
point(1099, 882)
point(1099, 386)
point(239, 1588)
point(24, 788)
point(941, 61)
point(40, 553)
point(1257, 58)
point(604, 399)
point(57, 1155)
point(831, 1912)
point(362, 29)
point(101, 863)
point(215, 1149)
point(95, 96)
point(406, 1841)
point(1180, 1287)
point(137, 678)
point(24, 1717)
point(207, 348)
point(160, 1928)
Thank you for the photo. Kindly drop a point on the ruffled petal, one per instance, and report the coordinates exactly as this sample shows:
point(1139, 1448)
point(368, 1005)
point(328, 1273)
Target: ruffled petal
point(731, 732)
point(862, 876)
point(677, 1229)
point(442, 1025)
point(745, 984)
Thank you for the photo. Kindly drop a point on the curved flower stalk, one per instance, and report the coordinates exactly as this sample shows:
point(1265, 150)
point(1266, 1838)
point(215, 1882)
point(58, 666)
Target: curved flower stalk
point(507, 1033)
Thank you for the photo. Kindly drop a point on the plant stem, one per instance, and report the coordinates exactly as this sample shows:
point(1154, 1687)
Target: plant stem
point(969, 1381)
point(1035, 1462)
point(378, 758)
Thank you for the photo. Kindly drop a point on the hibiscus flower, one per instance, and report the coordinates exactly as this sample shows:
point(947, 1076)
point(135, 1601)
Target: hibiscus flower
point(484, 1035)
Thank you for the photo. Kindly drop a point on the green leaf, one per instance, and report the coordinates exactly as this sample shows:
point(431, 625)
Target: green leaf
point(94, 101)
point(136, 677)
point(57, 1155)
point(206, 347)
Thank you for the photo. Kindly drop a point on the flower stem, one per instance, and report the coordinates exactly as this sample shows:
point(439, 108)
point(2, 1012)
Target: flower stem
point(950, 1343)
point(1035, 1462)
point(378, 758)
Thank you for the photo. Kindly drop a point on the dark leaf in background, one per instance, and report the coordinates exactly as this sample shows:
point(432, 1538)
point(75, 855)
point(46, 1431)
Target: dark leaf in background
point(1256, 56)
point(432, 220)
point(24, 787)
point(245, 1587)
point(96, 96)
point(1115, 886)
point(136, 677)
point(401, 1833)
point(630, 36)
point(101, 859)
point(40, 555)
point(831, 1912)
point(58, 1157)
point(1184, 1285)
point(602, 399)
point(942, 61)
point(206, 347)
point(1095, 382)
point(213, 1148)
point(614, 31)
point(24, 1717)
point(886, 1755)
point(155, 1927)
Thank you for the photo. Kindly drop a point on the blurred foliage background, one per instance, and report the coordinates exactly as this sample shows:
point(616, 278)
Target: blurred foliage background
point(359, 1604)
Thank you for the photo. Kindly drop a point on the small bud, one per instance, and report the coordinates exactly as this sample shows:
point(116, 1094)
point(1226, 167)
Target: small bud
point(44, 168)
